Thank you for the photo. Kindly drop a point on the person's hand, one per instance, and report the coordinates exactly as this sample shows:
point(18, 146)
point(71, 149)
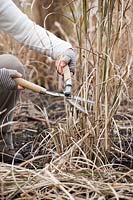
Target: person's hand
point(7, 81)
point(67, 58)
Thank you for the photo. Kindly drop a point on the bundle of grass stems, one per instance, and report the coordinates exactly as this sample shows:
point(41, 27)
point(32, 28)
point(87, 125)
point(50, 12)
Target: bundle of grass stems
point(54, 182)
point(84, 141)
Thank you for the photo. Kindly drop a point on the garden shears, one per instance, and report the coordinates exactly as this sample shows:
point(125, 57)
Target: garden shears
point(67, 91)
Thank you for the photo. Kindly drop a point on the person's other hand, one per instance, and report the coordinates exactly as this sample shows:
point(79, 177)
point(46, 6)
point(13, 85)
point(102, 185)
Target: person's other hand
point(7, 81)
point(67, 58)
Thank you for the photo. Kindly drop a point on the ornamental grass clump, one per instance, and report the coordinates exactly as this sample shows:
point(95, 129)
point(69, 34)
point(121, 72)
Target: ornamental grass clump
point(91, 149)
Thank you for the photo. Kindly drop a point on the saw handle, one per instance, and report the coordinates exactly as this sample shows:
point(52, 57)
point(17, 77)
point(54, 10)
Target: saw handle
point(29, 85)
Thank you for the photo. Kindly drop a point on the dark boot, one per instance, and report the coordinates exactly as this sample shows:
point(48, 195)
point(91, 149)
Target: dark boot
point(7, 152)
point(9, 156)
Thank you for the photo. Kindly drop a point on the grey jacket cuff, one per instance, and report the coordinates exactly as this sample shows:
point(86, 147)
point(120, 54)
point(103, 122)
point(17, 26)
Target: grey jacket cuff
point(6, 82)
point(69, 57)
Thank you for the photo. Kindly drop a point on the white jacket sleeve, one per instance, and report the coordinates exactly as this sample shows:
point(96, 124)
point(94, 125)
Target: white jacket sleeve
point(26, 32)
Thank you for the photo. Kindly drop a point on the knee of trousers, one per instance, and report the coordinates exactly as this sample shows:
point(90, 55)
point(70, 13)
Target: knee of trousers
point(12, 62)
